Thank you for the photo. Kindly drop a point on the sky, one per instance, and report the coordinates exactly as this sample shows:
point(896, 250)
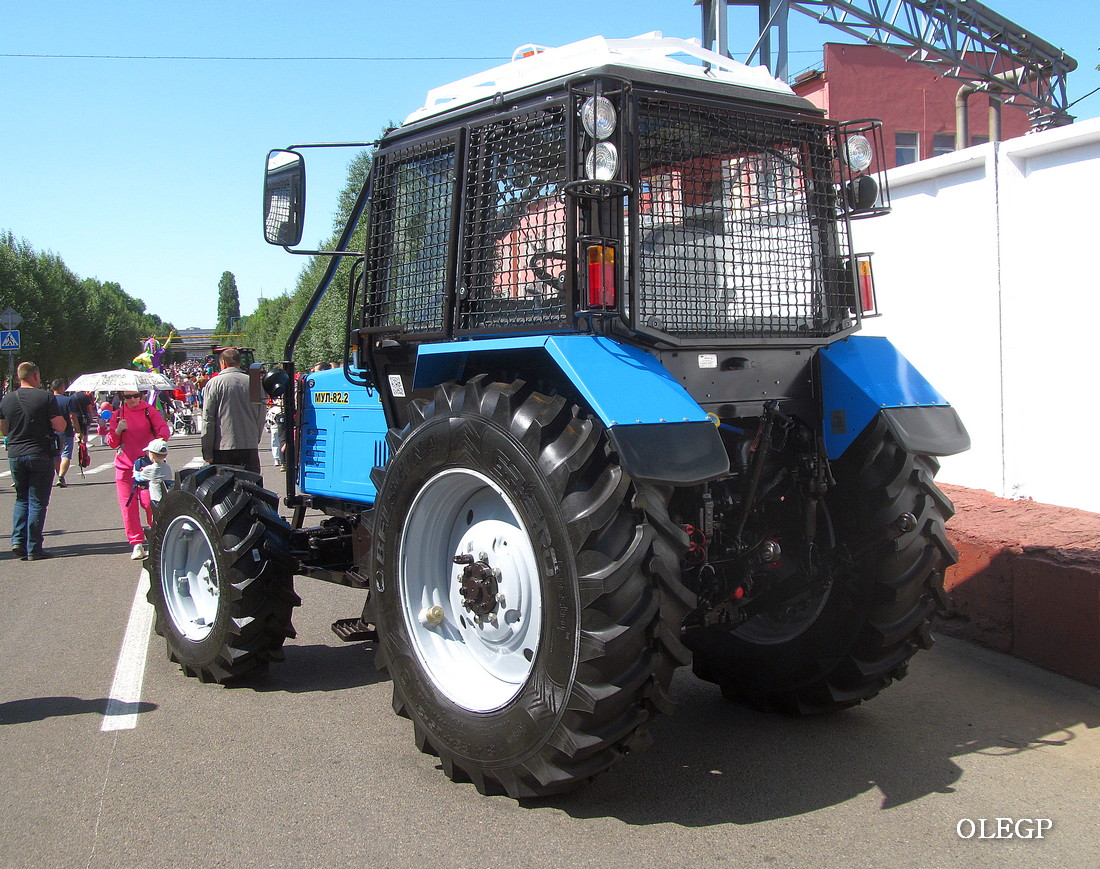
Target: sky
point(134, 134)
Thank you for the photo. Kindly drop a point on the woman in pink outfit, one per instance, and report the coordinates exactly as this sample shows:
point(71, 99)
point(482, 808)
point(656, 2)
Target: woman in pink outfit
point(133, 426)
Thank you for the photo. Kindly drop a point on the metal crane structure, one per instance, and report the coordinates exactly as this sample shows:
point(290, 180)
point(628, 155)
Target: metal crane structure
point(961, 38)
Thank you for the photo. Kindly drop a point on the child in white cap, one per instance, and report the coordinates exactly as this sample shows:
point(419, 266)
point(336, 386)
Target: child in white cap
point(155, 472)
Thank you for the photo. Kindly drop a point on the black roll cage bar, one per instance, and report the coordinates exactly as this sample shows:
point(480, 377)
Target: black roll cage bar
point(290, 397)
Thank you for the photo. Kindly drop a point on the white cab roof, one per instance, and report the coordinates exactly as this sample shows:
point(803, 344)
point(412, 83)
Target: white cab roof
point(532, 64)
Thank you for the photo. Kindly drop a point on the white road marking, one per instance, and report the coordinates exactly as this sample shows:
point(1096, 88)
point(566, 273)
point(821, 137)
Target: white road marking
point(121, 712)
point(122, 705)
point(87, 471)
point(97, 469)
point(196, 462)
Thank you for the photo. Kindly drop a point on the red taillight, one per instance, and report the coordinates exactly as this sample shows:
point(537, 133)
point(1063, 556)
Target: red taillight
point(866, 280)
point(601, 276)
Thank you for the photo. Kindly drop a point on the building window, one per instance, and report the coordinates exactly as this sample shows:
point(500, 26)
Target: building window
point(979, 140)
point(942, 143)
point(906, 149)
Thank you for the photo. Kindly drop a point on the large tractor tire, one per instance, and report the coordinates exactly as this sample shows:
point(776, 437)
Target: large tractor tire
point(527, 590)
point(220, 575)
point(841, 645)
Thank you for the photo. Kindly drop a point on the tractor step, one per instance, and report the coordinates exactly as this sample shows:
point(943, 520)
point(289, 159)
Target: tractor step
point(354, 630)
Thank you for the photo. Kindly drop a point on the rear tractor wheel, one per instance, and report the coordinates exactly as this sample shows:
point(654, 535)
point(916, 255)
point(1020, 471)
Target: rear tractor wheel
point(864, 600)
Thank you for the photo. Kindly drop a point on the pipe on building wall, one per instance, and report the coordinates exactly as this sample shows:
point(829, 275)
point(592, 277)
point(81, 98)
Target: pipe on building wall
point(962, 114)
point(995, 103)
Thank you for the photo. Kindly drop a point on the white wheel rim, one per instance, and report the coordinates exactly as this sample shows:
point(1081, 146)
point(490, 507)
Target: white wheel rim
point(773, 629)
point(189, 578)
point(479, 663)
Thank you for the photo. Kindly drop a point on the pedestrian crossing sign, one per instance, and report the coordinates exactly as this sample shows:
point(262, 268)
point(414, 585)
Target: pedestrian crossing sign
point(9, 339)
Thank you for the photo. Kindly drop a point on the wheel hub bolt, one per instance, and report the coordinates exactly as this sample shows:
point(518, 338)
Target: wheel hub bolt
point(431, 616)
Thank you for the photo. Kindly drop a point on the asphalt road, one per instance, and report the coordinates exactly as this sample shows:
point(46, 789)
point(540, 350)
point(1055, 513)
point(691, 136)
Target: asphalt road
point(308, 767)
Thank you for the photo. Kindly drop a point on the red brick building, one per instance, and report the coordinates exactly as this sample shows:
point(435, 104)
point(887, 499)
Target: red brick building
point(914, 102)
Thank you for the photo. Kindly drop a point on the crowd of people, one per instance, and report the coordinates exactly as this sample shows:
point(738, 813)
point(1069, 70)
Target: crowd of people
point(45, 429)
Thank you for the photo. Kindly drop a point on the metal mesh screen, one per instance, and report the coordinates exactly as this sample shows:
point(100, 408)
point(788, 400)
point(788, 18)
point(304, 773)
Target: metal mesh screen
point(278, 208)
point(410, 228)
point(515, 247)
point(737, 233)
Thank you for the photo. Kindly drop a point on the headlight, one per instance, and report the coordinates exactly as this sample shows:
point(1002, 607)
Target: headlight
point(858, 152)
point(602, 162)
point(598, 117)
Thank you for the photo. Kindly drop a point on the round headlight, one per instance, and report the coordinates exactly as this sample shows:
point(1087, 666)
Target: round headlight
point(602, 162)
point(598, 117)
point(858, 152)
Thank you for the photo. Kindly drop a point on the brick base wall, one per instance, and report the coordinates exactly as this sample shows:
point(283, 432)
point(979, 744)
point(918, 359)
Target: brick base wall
point(1027, 582)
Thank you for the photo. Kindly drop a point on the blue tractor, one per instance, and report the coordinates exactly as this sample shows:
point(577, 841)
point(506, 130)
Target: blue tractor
point(603, 413)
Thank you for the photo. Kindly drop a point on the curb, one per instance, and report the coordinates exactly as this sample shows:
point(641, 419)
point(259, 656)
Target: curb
point(1027, 581)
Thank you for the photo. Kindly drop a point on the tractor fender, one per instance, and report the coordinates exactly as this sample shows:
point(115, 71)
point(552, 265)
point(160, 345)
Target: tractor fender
point(661, 433)
point(864, 376)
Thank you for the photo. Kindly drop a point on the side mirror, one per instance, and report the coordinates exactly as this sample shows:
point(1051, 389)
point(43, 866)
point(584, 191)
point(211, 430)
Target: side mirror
point(255, 382)
point(284, 198)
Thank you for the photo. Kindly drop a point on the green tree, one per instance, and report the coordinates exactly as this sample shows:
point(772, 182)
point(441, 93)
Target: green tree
point(268, 326)
point(229, 303)
point(70, 326)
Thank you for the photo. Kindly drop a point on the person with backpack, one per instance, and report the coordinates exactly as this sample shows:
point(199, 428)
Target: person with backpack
point(29, 418)
point(274, 421)
point(68, 437)
point(132, 427)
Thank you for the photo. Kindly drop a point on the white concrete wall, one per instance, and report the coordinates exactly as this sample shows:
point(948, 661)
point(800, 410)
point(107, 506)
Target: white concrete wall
point(987, 276)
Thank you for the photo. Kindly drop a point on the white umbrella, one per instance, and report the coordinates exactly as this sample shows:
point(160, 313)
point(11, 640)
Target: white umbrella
point(120, 380)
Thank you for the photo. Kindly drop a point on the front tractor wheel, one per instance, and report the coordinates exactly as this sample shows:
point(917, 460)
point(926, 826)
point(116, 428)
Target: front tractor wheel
point(220, 575)
point(521, 580)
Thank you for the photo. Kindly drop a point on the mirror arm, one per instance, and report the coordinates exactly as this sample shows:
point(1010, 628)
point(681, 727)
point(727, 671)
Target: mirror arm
point(332, 145)
point(330, 272)
point(298, 147)
point(324, 252)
